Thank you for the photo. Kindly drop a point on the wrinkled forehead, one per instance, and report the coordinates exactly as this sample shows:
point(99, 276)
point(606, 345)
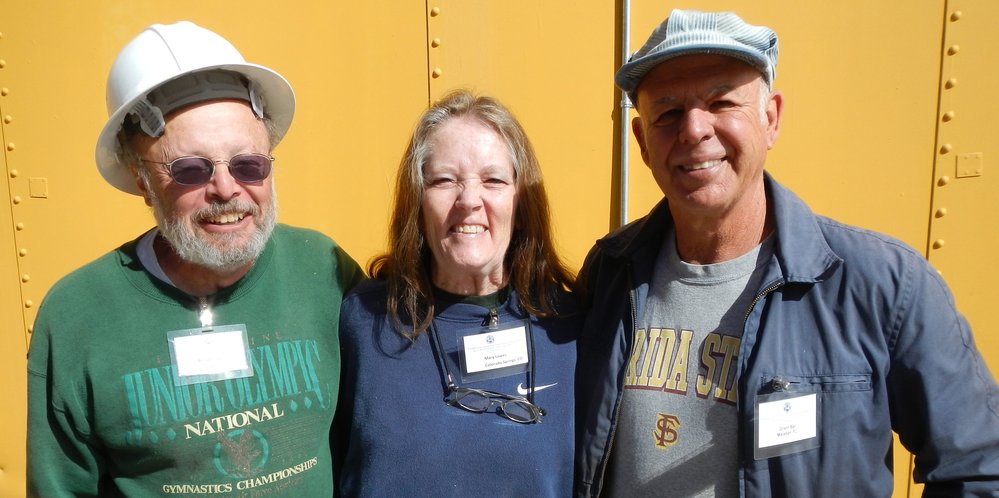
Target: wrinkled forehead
point(210, 127)
point(467, 128)
point(701, 75)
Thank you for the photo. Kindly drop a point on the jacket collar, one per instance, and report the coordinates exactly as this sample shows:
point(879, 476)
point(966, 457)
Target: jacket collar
point(803, 255)
point(802, 251)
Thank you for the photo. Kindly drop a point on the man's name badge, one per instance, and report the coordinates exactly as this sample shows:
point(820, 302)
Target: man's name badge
point(786, 424)
point(206, 355)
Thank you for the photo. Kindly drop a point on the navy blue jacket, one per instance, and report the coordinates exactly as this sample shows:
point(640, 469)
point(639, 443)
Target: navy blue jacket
point(855, 316)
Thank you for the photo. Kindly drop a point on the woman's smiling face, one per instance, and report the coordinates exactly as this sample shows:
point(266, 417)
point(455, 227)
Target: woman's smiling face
point(469, 201)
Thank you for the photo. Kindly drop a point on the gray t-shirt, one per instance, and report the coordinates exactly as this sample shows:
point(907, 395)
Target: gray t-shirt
point(678, 426)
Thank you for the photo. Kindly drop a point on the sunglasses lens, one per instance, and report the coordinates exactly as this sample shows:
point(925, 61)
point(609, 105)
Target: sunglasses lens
point(250, 168)
point(191, 170)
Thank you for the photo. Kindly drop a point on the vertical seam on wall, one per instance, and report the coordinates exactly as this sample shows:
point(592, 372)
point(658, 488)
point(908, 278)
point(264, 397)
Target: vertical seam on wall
point(9, 195)
point(937, 142)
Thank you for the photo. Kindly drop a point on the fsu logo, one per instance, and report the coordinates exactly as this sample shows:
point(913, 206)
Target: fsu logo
point(665, 434)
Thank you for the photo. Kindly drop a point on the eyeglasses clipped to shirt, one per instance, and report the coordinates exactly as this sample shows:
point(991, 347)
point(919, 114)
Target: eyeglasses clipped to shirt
point(514, 408)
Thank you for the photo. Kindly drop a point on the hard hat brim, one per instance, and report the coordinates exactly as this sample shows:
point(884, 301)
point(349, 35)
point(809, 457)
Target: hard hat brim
point(275, 92)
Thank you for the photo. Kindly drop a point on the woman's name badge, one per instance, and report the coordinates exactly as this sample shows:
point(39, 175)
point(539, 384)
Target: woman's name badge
point(786, 424)
point(206, 355)
point(496, 349)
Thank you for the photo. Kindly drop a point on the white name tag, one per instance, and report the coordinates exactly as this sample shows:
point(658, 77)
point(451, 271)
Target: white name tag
point(495, 349)
point(787, 420)
point(201, 355)
point(786, 424)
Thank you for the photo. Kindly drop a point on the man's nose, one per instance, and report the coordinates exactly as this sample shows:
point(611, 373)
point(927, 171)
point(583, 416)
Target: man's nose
point(696, 126)
point(223, 185)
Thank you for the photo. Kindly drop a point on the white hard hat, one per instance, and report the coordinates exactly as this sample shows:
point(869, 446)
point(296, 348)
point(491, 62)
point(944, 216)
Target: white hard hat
point(163, 53)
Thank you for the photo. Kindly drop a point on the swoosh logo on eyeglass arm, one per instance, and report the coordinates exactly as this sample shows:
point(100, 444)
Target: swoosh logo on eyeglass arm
point(521, 390)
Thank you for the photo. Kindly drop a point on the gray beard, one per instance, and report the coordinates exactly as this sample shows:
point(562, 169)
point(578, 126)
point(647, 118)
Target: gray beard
point(221, 253)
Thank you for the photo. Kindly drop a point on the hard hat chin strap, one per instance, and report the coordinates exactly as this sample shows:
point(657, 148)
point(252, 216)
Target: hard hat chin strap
point(192, 89)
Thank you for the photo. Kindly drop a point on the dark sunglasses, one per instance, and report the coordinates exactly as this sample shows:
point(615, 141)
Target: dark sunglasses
point(193, 171)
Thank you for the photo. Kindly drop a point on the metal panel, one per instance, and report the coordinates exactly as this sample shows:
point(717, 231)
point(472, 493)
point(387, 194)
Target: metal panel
point(12, 335)
point(963, 234)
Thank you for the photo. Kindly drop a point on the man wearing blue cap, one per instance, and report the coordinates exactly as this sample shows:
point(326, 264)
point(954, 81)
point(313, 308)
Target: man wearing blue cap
point(202, 357)
point(739, 345)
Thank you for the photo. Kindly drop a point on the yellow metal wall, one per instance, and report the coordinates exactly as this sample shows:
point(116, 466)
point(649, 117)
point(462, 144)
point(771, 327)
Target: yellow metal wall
point(964, 228)
point(861, 139)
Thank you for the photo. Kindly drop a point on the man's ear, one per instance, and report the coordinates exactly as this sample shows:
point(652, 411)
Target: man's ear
point(639, 130)
point(775, 109)
point(141, 184)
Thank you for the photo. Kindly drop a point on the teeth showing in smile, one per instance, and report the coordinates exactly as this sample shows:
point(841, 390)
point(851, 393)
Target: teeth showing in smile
point(703, 165)
point(225, 219)
point(469, 228)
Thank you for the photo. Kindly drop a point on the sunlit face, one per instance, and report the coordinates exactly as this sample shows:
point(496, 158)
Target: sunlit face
point(468, 204)
point(223, 224)
point(704, 133)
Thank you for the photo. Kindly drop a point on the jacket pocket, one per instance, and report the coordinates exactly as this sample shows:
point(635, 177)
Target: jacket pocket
point(834, 383)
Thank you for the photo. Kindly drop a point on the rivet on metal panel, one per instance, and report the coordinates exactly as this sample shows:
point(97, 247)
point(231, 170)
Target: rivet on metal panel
point(13, 173)
point(951, 83)
point(944, 180)
point(436, 42)
point(953, 49)
point(437, 72)
point(22, 252)
point(945, 148)
point(955, 15)
point(8, 119)
point(19, 226)
point(25, 278)
point(947, 116)
point(28, 303)
point(941, 212)
point(969, 165)
point(436, 11)
point(10, 146)
point(16, 199)
point(937, 244)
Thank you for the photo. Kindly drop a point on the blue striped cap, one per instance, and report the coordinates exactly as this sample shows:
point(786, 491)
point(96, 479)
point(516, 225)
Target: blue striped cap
point(687, 32)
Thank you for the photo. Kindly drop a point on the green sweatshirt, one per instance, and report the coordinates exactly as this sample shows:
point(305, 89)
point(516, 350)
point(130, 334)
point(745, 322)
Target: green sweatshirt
point(106, 418)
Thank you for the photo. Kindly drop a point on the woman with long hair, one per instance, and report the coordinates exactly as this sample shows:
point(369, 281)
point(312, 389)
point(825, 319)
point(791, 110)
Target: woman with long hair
point(458, 355)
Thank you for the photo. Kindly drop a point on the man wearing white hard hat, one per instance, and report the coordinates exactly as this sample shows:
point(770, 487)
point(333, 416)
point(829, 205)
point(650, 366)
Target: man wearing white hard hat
point(201, 357)
point(737, 344)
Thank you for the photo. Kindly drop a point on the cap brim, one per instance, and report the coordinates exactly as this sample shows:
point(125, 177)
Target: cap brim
point(631, 74)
